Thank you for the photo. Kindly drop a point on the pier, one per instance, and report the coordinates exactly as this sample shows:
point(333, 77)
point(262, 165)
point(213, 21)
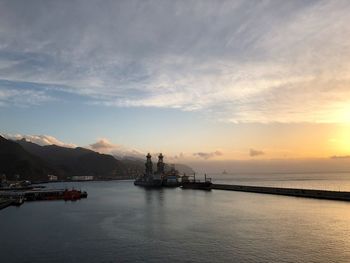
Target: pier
point(308, 193)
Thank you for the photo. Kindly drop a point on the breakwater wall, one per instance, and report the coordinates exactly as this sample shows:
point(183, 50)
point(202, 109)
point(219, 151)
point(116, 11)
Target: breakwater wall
point(309, 193)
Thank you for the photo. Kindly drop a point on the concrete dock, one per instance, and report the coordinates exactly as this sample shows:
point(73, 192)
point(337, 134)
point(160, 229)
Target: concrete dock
point(308, 193)
point(4, 202)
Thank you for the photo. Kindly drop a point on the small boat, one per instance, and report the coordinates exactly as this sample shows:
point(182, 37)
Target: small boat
point(71, 195)
point(83, 194)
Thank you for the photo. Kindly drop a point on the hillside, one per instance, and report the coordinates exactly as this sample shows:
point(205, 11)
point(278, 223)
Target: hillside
point(14, 160)
point(77, 161)
point(35, 162)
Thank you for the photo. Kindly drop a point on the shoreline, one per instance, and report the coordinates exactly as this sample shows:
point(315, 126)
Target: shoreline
point(74, 181)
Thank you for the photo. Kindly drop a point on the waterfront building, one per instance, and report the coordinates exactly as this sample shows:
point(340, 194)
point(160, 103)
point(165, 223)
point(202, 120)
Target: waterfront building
point(83, 178)
point(52, 177)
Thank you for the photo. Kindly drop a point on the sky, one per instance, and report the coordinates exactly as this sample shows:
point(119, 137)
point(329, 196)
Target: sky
point(196, 80)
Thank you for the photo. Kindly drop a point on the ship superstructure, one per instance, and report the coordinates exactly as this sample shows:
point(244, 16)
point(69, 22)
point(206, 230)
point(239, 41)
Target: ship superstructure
point(149, 179)
point(171, 178)
point(159, 177)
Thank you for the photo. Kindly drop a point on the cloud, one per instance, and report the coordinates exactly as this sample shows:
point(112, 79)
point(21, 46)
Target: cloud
point(207, 155)
point(103, 145)
point(239, 61)
point(23, 98)
point(254, 153)
point(340, 157)
point(179, 156)
point(39, 139)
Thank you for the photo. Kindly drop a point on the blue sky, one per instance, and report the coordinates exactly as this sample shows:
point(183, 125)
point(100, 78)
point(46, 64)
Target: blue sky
point(218, 78)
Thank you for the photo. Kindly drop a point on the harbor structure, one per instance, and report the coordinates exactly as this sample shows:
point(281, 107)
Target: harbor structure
point(158, 178)
point(296, 192)
point(171, 178)
point(193, 183)
point(149, 179)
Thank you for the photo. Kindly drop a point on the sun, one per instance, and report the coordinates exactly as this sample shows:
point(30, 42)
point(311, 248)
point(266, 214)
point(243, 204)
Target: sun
point(342, 139)
point(342, 113)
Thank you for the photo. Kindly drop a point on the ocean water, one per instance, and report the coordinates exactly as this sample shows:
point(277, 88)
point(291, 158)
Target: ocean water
point(120, 222)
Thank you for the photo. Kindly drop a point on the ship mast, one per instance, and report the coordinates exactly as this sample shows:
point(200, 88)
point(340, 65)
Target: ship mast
point(149, 165)
point(160, 164)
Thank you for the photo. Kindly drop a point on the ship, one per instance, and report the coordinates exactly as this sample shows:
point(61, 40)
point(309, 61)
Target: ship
point(170, 178)
point(149, 179)
point(188, 183)
point(55, 194)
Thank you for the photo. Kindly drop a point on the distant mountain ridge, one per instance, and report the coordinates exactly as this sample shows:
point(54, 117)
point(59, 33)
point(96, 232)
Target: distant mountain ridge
point(77, 161)
point(34, 162)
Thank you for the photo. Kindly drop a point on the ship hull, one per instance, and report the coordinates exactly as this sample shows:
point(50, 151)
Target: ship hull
point(197, 185)
point(171, 184)
point(153, 183)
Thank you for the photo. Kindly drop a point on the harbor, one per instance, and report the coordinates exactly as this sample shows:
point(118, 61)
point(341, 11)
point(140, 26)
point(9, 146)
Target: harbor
point(160, 179)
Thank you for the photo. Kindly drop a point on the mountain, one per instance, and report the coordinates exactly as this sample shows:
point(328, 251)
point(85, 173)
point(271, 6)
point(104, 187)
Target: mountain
point(77, 161)
point(35, 162)
point(14, 160)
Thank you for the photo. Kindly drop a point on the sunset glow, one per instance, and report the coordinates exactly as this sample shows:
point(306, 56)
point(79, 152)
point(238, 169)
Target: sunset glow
point(273, 85)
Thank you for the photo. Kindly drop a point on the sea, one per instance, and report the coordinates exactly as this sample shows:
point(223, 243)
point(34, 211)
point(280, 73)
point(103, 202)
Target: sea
point(120, 222)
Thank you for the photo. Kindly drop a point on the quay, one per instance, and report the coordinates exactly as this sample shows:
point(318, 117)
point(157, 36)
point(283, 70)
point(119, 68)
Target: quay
point(308, 193)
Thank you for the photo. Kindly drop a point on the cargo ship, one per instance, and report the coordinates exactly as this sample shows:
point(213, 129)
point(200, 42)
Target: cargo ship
point(188, 183)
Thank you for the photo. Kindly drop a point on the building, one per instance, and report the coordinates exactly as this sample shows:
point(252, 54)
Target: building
point(52, 177)
point(83, 178)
